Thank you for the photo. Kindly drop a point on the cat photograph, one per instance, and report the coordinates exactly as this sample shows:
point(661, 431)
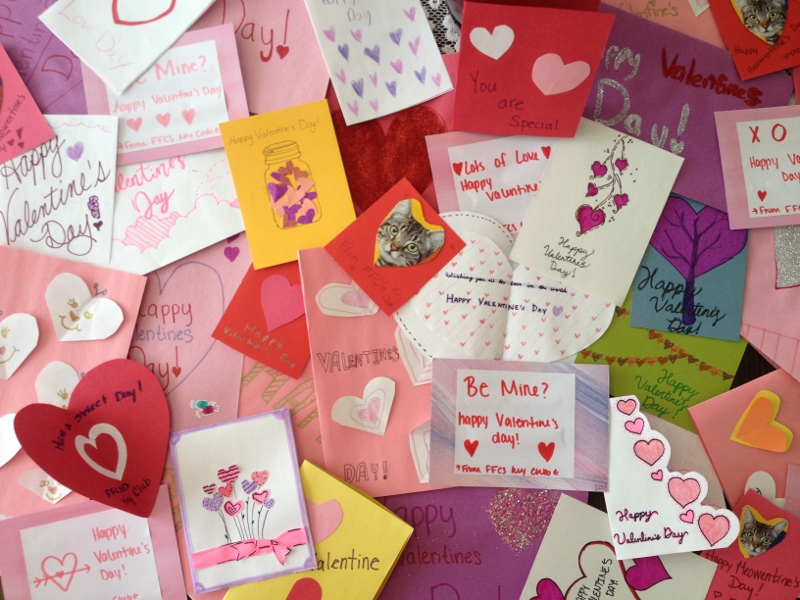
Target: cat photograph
point(763, 18)
point(758, 536)
point(405, 238)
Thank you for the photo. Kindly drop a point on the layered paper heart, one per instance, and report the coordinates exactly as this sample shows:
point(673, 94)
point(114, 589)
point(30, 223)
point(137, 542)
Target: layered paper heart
point(758, 428)
point(55, 384)
point(281, 301)
point(341, 300)
point(110, 444)
point(19, 335)
point(370, 412)
point(652, 510)
point(480, 306)
point(76, 314)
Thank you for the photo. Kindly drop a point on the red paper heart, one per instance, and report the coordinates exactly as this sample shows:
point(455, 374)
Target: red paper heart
point(110, 444)
point(305, 589)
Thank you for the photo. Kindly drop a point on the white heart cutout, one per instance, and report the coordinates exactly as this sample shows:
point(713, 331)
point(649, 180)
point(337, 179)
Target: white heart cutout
point(493, 44)
point(417, 364)
point(9, 445)
point(96, 431)
point(763, 483)
point(370, 413)
point(55, 383)
point(44, 486)
point(19, 335)
point(340, 300)
point(76, 314)
point(420, 439)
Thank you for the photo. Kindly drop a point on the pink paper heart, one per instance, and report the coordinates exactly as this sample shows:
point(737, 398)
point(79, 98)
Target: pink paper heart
point(649, 451)
point(636, 426)
point(646, 572)
point(688, 516)
point(713, 528)
point(324, 518)
point(233, 508)
point(134, 123)
point(260, 497)
point(657, 475)
point(552, 76)
point(163, 119)
point(626, 407)
point(281, 301)
point(684, 491)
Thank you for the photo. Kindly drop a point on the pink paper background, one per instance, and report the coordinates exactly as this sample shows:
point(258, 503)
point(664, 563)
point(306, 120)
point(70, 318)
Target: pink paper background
point(210, 370)
point(165, 547)
point(793, 491)
point(715, 420)
point(97, 96)
point(25, 279)
point(260, 27)
point(353, 335)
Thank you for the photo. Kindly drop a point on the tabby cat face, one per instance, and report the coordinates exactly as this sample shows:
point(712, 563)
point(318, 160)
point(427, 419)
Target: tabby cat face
point(403, 241)
point(764, 18)
point(758, 537)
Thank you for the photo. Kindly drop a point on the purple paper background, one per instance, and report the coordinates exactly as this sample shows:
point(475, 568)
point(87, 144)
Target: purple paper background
point(49, 69)
point(502, 572)
point(659, 100)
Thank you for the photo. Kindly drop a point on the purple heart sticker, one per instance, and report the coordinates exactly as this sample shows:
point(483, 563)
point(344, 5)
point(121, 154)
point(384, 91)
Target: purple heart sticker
point(214, 503)
point(249, 486)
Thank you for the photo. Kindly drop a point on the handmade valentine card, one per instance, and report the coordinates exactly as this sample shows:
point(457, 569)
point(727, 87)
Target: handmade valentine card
point(23, 124)
point(273, 40)
point(395, 247)
point(652, 510)
point(176, 106)
point(120, 40)
point(182, 305)
point(265, 319)
point(469, 541)
point(481, 307)
point(668, 95)
point(750, 429)
point(394, 143)
point(65, 208)
point(168, 209)
point(605, 183)
point(759, 151)
point(289, 176)
point(761, 38)
point(382, 57)
point(89, 551)
point(368, 406)
point(339, 516)
point(121, 403)
point(526, 70)
point(691, 279)
point(577, 560)
point(43, 486)
point(242, 505)
point(519, 425)
point(50, 71)
point(763, 562)
point(668, 371)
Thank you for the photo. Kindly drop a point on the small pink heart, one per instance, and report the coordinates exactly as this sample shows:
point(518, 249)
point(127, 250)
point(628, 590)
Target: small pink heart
point(260, 477)
point(163, 119)
point(626, 407)
point(598, 169)
point(684, 491)
point(591, 190)
point(620, 200)
point(657, 476)
point(231, 253)
point(324, 518)
point(688, 516)
point(713, 528)
point(260, 497)
point(134, 123)
point(188, 115)
point(649, 451)
point(233, 508)
point(621, 164)
point(281, 301)
point(589, 218)
point(547, 589)
point(636, 426)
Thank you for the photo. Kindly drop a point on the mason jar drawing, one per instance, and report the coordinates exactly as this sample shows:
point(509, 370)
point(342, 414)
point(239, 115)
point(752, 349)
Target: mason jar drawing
point(290, 186)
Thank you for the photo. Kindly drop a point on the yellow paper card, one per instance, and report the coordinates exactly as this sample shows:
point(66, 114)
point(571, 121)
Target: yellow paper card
point(358, 542)
point(290, 181)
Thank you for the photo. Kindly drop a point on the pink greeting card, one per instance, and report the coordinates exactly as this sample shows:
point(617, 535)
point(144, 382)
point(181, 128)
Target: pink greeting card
point(176, 106)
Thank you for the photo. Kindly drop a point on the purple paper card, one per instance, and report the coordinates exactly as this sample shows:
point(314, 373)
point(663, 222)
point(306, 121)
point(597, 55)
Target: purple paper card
point(664, 87)
point(469, 542)
point(49, 69)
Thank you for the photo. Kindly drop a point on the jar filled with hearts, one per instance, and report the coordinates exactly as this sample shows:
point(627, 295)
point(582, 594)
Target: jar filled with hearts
point(290, 186)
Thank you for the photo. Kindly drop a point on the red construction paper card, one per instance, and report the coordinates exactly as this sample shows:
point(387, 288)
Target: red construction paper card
point(395, 247)
point(266, 319)
point(527, 70)
point(110, 443)
point(760, 41)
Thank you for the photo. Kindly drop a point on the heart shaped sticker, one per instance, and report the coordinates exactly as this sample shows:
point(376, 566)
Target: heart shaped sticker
point(19, 335)
point(78, 316)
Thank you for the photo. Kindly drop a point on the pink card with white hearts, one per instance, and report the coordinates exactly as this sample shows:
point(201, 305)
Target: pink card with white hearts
point(652, 510)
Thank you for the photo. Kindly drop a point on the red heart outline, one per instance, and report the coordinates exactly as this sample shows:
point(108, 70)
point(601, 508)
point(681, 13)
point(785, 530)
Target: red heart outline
point(118, 21)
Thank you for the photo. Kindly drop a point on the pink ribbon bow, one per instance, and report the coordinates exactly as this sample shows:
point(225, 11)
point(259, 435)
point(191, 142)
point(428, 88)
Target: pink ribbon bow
point(280, 546)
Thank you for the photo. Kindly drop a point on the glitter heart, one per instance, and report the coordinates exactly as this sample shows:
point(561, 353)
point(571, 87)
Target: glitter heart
point(520, 517)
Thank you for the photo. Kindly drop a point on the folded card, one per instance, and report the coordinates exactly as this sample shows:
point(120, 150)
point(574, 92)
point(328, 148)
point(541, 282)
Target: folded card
point(241, 501)
point(652, 510)
point(519, 425)
point(577, 560)
point(605, 184)
point(57, 198)
point(382, 56)
point(349, 564)
point(663, 87)
point(395, 247)
point(749, 430)
point(168, 209)
point(289, 176)
point(274, 40)
point(691, 279)
point(469, 542)
point(121, 39)
point(526, 70)
point(265, 320)
point(176, 106)
point(367, 403)
point(87, 550)
point(182, 304)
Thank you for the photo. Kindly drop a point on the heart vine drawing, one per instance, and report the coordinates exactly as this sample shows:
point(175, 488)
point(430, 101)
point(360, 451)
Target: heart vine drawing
point(605, 188)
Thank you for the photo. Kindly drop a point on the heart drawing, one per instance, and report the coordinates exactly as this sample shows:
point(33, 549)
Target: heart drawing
point(76, 314)
point(369, 413)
